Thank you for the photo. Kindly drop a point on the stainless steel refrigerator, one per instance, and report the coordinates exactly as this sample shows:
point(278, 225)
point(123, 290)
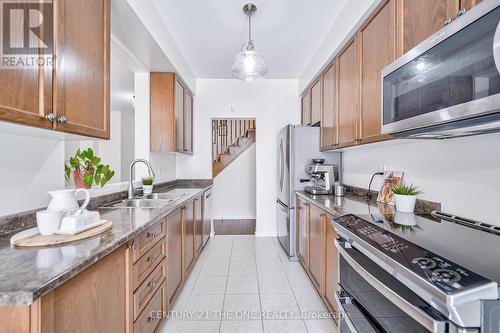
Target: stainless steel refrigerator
point(297, 146)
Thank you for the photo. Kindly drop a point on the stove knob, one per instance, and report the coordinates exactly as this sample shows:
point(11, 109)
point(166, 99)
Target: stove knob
point(445, 275)
point(424, 263)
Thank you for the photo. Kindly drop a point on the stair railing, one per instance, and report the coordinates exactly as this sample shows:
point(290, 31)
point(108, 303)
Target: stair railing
point(226, 133)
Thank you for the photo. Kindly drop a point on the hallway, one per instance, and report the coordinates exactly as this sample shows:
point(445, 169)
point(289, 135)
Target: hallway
point(247, 284)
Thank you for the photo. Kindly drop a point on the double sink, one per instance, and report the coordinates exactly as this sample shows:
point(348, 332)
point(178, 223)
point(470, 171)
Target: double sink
point(155, 200)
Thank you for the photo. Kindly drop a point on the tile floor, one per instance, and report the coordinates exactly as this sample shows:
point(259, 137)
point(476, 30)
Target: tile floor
point(247, 284)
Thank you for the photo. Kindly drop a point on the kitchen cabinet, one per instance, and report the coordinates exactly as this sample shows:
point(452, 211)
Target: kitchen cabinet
point(331, 265)
point(171, 114)
point(468, 4)
point(174, 253)
point(198, 225)
point(303, 232)
point(328, 111)
point(420, 19)
point(72, 95)
point(306, 109)
point(316, 103)
point(377, 39)
point(188, 235)
point(348, 104)
point(316, 246)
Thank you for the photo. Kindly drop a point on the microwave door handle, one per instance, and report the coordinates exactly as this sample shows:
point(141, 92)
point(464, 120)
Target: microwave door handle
point(430, 323)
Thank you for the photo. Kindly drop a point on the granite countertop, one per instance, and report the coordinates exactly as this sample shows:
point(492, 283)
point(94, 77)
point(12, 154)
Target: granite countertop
point(338, 206)
point(27, 274)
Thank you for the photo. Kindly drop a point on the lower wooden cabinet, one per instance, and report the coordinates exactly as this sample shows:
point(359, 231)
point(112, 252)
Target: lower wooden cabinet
point(188, 235)
point(331, 266)
point(198, 225)
point(174, 254)
point(316, 250)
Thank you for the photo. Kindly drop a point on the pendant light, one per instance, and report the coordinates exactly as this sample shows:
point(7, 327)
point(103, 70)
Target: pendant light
point(249, 64)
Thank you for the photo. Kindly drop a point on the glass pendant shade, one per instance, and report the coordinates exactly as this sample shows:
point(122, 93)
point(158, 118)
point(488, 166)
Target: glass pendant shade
point(249, 66)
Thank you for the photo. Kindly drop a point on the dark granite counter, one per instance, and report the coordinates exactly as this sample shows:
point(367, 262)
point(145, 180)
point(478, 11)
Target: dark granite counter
point(27, 274)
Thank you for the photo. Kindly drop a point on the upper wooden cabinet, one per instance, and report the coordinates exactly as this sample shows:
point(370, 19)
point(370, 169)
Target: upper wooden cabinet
point(306, 108)
point(420, 19)
point(378, 49)
point(328, 111)
point(171, 115)
point(348, 82)
point(72, 95)
point(316, 103)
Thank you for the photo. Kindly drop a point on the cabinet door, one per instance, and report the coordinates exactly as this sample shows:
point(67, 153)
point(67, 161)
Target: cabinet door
point(198, 225)
point(348, 81)
point(174, 253)
point(331, 266)
point(188, 235)
point(378, 49)
point(81, 95)
point(316, 103)
point(316, 247)
point(179, 116)
point(468, 4)
point(328, 126)
point(420, 19)
point(188, 123)
point(162, 134)
point(306, 109)
point(303, 232)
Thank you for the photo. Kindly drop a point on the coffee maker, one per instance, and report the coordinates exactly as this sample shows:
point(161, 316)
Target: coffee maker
point(323, 176)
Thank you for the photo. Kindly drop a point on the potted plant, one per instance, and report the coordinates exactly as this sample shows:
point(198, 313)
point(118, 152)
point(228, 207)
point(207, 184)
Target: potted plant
point(87, 169)
point(147, 185)
point(405, 197)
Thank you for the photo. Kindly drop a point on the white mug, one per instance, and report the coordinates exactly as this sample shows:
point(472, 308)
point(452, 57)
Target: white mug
point(48, 222)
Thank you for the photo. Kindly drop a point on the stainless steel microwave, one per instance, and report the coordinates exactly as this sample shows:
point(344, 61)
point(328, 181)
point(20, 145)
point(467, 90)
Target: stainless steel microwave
point(449, 85)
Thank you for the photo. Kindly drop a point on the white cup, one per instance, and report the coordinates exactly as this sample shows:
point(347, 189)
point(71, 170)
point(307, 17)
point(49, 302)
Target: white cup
point(48, 222)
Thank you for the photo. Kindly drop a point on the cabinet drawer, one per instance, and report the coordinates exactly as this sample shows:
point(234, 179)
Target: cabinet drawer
point(150, 319)
point(146, 240)
point(147, 288)
point(145, 265)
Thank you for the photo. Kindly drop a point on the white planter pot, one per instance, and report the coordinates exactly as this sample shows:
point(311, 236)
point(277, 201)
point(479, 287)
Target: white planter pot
point(405, 203)
point(405, 218)
point(147, 189)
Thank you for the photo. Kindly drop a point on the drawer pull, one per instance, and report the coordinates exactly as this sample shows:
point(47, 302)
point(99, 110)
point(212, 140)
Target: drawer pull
point(152, 319)
point(151, 235)
point(133, 246)
point(151, 259)
point(152, 284)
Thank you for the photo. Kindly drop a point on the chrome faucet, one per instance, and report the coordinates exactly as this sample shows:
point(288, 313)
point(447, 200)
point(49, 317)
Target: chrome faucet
point(131, 179)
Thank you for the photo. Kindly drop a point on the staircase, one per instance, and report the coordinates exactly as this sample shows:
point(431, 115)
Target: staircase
point(230, 138)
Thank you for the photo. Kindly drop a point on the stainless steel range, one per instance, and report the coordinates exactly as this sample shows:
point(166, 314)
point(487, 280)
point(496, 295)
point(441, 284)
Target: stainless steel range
point(422, 275)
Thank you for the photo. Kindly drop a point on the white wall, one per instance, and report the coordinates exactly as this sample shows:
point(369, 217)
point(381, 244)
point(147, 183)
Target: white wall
point(351, 16)
point(273, 103)
point(463, 174)
point(234, 189)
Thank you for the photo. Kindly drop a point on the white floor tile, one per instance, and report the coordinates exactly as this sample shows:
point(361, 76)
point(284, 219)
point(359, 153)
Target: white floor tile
point(301, 284)
point(185, 326)
point(210, 285)
point(249, 326)
point(242, 307)
point(279, 307)
point(274, 284)
point(321, 326)
point(205, 307)
point(284, 326)
point(310, 303)
point(242, 268)
point(237, 284)
point(214, 268)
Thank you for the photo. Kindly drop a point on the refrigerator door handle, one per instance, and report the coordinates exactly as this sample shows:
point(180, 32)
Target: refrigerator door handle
point(282, 164)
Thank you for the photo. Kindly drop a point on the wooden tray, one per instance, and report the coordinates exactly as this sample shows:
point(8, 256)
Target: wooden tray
point(32, 238)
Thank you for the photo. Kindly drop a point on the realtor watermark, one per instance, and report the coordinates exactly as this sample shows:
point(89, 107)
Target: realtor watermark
point(27, 36)
point(245, 315)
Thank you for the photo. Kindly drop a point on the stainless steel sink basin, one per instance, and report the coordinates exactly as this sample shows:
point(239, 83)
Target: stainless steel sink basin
point(140, 203)
point(170, 196)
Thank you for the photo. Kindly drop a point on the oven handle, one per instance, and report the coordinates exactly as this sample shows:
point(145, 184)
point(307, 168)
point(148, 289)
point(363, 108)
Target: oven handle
point(343, 315)
point(430, 323)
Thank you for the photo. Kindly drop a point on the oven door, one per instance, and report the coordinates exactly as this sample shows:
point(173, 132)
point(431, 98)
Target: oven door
point(450, 77)
point(374, 301)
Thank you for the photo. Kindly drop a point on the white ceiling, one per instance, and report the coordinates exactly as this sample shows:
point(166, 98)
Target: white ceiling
point(211, 32)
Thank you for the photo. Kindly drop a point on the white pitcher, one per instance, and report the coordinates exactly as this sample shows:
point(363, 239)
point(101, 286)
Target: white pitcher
point(65, 200)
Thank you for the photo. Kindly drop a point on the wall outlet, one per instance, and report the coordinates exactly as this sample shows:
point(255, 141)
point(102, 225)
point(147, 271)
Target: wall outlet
point(382, 168)
point(233, 108)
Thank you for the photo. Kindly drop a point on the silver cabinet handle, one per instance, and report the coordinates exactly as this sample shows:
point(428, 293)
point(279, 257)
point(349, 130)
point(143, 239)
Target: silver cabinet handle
point(461, 11)
point(152, 319)
point(151, 235)
point(448, 21)
point(152, 284)
point(151, 259)
point(133, 246)
point(50, 117)
point(62, 119)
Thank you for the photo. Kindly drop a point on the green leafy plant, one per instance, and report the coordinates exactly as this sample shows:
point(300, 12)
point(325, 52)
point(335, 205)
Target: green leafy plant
point(147, 181)
point(406, 190)
point(85, 161)
point(405, 229)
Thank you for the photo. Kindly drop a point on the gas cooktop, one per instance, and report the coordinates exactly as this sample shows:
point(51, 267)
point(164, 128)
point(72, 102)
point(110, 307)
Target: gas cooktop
point(401, 243)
